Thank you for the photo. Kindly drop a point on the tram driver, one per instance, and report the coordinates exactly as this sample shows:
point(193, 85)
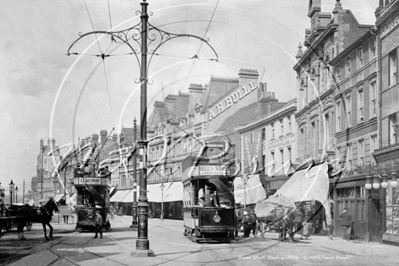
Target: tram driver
point(210, 196)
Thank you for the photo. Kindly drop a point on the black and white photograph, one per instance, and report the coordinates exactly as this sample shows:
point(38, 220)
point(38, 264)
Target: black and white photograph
point(201, 132)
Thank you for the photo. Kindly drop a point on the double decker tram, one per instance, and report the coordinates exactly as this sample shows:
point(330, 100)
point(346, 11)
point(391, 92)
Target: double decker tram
point(208, 198)
point(93, 194)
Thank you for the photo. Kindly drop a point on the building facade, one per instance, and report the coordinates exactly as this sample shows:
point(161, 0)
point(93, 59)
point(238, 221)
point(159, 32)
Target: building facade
point(337, 108)
point(44, 185)
point(384, 184)
point(268, 148)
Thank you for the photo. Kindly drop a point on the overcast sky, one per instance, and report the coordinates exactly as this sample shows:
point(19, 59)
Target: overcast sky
point(46, 93)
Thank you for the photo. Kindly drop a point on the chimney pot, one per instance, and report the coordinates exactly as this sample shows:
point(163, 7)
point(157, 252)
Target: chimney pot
point(103, 136)
point(95, 137)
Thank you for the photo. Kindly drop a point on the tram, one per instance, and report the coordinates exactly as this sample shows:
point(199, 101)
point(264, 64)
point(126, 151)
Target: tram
point(93, 194)
point(208, 197)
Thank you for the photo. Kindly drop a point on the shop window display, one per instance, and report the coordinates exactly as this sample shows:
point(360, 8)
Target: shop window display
point(392, 210)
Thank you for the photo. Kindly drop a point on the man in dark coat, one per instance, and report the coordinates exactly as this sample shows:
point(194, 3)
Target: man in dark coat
point(99, 222)
point(346, 222)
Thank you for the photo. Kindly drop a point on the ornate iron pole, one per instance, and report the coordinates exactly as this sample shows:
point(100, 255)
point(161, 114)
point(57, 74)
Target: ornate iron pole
point(142, 34)
point(134, 222)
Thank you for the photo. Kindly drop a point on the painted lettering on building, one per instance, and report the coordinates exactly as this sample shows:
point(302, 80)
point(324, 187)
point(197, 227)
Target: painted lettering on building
point(232, 99)
point(281, 141)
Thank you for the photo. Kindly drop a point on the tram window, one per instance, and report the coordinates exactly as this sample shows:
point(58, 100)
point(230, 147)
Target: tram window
point(92, 197)
point(224, 192)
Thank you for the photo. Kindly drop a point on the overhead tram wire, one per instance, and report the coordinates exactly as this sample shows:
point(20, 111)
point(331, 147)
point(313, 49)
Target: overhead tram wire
point(110, 25)
point(109, 98)
point(196, 56)
point(92, 25)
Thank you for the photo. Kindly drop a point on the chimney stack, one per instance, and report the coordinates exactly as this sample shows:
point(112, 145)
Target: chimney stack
point(195, 88)
point(262, 92)
point(41, 146)
point(247, 75)
point(115, 137)
point(103, 136)
point(95, 137)
point(53, 143)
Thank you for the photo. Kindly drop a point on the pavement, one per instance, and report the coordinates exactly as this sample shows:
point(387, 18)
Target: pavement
point(171, 248)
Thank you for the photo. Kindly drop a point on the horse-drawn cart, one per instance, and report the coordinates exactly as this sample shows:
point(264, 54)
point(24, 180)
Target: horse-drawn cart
point(9, 220)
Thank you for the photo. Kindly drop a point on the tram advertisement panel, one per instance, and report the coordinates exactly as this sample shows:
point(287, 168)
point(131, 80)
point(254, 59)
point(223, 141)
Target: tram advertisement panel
point(210, 170)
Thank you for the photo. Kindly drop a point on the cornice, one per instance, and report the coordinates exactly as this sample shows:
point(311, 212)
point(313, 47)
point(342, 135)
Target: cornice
point(358, 127)
point(385, 14)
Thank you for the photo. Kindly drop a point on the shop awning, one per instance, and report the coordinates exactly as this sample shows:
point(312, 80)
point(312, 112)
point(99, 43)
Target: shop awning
point(254, 190)
point(111, 190)
point(172, 192)
point(119, 195)
point(306, 185)
point(128, 197)
point(72, 199)
point(238, 189)
point(153, 192)
point(58, 197)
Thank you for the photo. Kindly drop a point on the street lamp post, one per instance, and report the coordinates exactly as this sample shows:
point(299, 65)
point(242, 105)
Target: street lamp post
point(16, 194)
point(134, 215)
point(140, 34)
point(2, 190)
point(162, 186)
point(245, 180)
point(11, 190)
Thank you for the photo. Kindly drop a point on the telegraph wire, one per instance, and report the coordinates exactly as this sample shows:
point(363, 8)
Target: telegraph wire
point(91, 22)
point(109, 98)
point(207, 29)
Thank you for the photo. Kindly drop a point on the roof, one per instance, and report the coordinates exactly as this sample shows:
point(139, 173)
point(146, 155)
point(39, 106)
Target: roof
point(180, 108)
point(159, 114)
point(249, 114)
point(216, 89)
point(348, 29)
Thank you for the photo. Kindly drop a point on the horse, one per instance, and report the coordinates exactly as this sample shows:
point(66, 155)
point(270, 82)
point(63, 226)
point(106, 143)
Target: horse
point(283, 220)
point(41, 215)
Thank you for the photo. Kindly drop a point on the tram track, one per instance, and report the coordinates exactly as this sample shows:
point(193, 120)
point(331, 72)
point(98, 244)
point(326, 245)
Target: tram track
point(50, 247)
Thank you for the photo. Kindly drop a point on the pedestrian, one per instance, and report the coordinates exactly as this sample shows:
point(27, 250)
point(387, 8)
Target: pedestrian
point(99, 222)
point(306, 228)
point(330, 229)
point(346, 222)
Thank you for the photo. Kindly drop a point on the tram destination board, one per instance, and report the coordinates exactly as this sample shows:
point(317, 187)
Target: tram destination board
point(91, 181)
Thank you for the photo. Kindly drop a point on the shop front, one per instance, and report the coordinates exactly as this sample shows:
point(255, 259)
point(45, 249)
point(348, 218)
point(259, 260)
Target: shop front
point(167, 197)
point(385, 186)
point(350, 193)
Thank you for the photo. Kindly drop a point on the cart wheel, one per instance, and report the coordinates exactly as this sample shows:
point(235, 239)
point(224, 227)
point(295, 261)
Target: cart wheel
point(28, 226)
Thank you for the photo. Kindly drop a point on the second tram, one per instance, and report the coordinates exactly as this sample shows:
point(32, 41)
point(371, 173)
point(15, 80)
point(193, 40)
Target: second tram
point(208, 199)
point(92, 195)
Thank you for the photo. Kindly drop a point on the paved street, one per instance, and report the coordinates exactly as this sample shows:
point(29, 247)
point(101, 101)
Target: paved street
point(172, 248)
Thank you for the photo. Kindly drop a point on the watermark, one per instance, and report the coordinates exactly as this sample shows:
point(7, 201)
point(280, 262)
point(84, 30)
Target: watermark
point(295, 257)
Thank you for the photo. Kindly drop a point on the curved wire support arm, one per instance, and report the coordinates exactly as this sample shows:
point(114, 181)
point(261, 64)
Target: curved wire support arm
point(158, 37)
point(131, 37)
